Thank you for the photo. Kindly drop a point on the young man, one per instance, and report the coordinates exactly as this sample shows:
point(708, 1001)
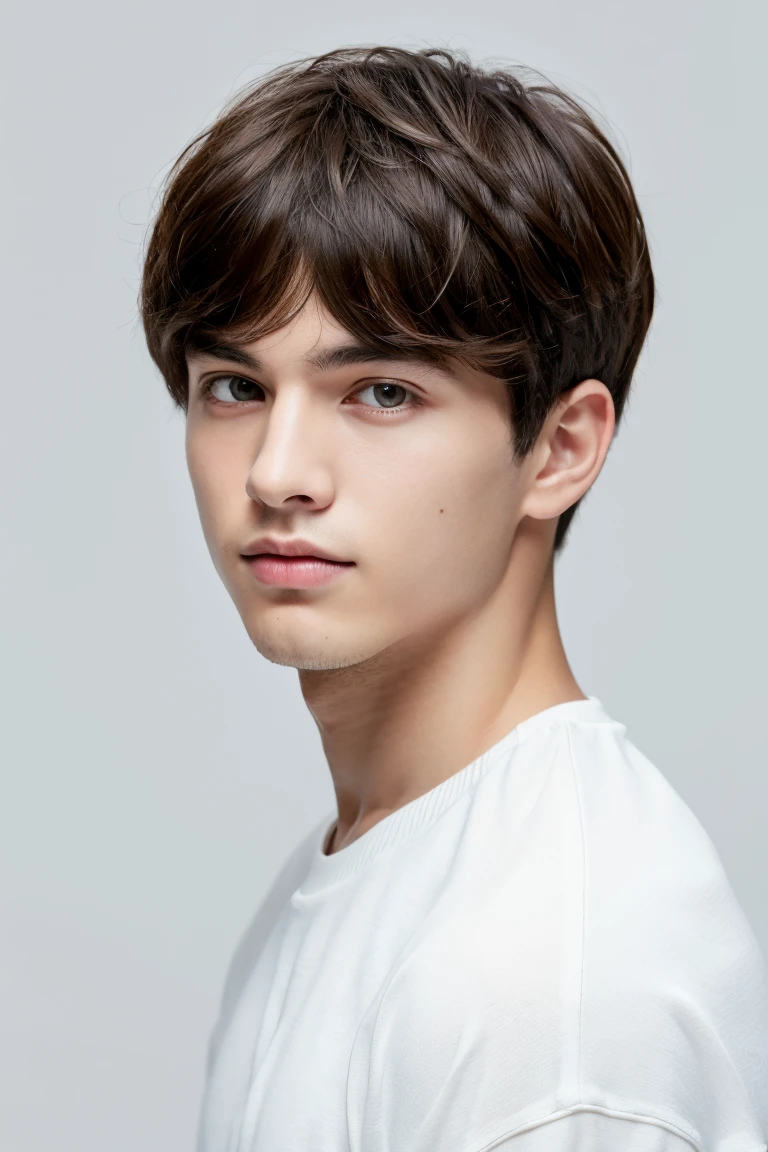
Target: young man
point(400, 300)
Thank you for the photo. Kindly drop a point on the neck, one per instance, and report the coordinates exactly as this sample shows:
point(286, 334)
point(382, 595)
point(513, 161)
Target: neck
point(400, 723)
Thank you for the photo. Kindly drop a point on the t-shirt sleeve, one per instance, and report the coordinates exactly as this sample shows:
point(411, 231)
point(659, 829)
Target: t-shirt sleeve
point(609, 974)
point(595, 1131)
point(464, 1060)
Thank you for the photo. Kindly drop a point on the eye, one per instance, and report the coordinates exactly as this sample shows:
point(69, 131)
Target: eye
point(387, 394)
point(230, 389)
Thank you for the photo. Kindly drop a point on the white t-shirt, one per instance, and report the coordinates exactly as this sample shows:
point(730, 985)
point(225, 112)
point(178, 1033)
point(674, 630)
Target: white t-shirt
point(540, 954)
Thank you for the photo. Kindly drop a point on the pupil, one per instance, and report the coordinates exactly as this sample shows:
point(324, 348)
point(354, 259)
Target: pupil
point(388, 400)
point(238, 383)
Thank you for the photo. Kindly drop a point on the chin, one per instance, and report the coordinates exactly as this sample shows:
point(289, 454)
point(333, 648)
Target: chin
point(307, 653)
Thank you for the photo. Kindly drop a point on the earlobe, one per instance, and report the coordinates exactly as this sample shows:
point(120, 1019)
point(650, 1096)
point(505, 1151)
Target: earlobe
point(571, 450)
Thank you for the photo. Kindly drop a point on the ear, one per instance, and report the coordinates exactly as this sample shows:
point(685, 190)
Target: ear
point(570, 450)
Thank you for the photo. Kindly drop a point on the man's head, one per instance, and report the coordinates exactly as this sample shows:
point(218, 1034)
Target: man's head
point(477, 238)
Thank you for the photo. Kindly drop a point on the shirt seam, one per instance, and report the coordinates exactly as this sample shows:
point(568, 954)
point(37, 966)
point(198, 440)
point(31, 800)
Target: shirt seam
point(600, 1110)
point(580, 807)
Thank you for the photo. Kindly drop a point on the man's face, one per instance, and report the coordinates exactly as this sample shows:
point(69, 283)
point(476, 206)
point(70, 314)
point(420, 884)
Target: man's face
point(402, 469)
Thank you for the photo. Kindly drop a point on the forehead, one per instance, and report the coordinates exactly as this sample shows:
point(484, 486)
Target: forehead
point(312, 330)
point(314, 339)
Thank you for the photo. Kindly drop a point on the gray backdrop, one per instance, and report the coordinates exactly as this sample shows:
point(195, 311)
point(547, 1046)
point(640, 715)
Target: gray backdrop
point(156, 769)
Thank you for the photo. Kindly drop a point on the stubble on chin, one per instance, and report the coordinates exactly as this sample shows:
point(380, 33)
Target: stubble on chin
point(314, 658)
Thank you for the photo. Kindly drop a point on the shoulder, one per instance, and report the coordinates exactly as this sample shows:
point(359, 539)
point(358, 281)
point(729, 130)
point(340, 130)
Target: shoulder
point(599, 958)
point(286, 880)
point(674, 996)
point(652, 876)
point(659, 909)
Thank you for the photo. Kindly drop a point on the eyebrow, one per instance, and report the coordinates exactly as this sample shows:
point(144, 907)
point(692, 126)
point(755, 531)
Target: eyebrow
point(342, 356)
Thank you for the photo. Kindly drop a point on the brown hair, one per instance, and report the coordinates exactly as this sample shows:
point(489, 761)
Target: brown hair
point(434, 206)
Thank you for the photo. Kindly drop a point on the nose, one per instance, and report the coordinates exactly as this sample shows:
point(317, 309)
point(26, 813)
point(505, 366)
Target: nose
point(292, 458)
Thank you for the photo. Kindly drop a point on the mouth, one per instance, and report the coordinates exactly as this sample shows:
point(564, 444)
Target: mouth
point(270, 568)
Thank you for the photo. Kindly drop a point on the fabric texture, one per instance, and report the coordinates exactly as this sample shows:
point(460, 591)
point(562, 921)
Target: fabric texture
point(541, 953)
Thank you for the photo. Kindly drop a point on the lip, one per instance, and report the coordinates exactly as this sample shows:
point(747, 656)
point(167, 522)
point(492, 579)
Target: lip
point(295, 571)
point(292, 563)
point(273, 546)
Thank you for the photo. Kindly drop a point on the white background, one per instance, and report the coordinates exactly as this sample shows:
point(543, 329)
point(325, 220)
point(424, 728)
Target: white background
point(155, 769)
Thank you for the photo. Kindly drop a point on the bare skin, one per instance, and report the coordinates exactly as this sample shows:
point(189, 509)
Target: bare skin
point(443, 635)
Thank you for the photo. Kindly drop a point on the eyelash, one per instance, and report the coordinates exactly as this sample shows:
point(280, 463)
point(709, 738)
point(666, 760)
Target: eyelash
point(209, 398)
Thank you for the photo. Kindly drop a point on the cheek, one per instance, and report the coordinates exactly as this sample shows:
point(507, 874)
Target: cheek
point(198, 466)
point(444, 522)
point(218, 486)
point(208, 496)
